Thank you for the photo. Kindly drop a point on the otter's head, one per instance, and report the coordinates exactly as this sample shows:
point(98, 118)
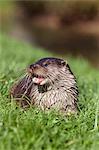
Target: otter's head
point(47, 70)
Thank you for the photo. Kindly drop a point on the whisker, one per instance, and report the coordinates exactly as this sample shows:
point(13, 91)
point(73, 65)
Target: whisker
point(27, 89)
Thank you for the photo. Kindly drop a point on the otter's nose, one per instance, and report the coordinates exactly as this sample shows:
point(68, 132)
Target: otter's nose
point(33, 66)
point(30, 69)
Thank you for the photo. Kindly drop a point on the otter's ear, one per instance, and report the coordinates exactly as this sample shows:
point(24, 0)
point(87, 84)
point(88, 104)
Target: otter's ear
point(63, 63)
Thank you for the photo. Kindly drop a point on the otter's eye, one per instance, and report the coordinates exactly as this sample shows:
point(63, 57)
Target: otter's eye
point(45, 65)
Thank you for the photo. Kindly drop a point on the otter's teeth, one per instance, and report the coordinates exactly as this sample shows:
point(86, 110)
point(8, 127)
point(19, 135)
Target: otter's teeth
point(43, 82)
point(40, 81)
point(37, 80)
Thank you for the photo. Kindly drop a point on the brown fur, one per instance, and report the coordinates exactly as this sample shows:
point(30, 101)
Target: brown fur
point(59, 90)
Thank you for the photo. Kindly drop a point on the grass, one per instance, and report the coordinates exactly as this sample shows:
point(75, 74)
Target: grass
point(35, 130)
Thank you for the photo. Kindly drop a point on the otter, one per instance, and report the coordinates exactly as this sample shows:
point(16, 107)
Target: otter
point(49, 83)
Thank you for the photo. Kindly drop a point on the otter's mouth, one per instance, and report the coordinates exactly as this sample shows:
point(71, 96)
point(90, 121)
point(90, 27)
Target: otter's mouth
point(40, 80)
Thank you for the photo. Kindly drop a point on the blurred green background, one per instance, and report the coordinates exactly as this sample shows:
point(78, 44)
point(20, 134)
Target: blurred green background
point(69, 27)
point(34, 29)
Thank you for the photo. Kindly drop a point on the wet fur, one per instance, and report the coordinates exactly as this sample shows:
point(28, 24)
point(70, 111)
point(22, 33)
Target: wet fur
point(60, 92)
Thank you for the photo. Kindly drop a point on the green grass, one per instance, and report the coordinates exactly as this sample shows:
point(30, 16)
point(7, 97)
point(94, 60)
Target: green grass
point(35, 130)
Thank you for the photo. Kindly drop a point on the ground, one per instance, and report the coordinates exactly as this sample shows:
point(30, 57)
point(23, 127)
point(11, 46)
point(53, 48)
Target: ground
point(33, 129)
